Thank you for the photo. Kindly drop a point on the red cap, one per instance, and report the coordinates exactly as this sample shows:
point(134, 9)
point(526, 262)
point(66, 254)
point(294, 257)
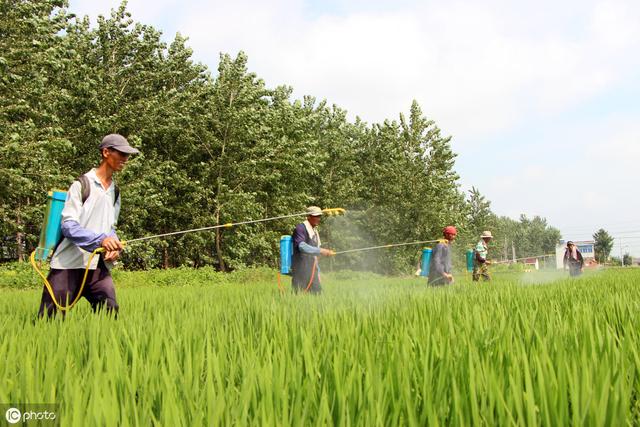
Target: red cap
point(450, 229)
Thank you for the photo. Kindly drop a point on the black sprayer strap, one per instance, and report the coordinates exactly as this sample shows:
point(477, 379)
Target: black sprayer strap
point(86, 189)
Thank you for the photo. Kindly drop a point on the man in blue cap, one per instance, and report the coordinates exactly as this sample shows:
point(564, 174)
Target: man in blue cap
point(306, 249)
point(89, 220)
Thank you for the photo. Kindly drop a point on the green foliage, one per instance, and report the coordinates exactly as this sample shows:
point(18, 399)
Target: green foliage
point(409, 190)
point(214, 150)
point(614, 261)
point(32, 56)
point(198, 347)
point(603, 243)
point(480, 216)
point(527, 237)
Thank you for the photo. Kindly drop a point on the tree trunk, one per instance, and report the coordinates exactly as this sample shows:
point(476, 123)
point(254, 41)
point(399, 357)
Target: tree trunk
point(19, 238)
point(165, 258)
point(506, 250)
point(221, 263)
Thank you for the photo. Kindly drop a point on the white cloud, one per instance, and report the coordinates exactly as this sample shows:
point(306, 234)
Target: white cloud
point(468, 63)
point(482, 70)
point(465, 62)
point(590, 187)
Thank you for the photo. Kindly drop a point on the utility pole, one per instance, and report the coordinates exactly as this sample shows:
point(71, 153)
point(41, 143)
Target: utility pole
point(506, 249)
point(513, 251)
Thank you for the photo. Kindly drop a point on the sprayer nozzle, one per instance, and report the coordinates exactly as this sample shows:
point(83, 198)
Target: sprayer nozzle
point(334, 211)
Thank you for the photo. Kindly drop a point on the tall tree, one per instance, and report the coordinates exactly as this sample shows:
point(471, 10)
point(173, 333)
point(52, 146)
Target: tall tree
point(524, 238)
point(410, 185)
point(603, 243)
point(479, 218)
point(214, 150)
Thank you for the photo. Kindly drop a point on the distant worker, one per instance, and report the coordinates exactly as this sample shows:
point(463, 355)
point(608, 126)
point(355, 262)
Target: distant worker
point(573, 258)
point(480, 260)
point(440, 267)
point(306, 249)
point(89, 220)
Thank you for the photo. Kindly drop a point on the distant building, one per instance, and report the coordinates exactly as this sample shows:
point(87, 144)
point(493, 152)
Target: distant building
point(532, 263)
point(586, 248)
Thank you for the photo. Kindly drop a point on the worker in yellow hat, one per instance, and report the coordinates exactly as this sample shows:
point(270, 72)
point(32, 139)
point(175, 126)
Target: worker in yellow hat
point(306, 249)
point(480, 261)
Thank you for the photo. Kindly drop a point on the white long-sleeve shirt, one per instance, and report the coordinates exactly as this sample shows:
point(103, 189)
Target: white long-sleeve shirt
point(98, 214)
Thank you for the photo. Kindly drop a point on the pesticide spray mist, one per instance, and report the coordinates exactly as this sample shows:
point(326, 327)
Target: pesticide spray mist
point(360, 260)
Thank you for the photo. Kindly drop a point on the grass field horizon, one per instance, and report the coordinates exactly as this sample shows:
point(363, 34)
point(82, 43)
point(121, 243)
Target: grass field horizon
point(195, 347)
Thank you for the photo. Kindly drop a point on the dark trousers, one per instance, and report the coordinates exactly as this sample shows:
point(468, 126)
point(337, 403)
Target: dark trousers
point(304, 267)
point(98, 289)
point(575, 269)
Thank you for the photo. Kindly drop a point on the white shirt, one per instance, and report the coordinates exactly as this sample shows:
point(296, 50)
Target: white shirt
point(98, 214)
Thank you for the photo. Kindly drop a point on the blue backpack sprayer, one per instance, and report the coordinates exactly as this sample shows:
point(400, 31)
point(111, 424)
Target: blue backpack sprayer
point(286, 254)
point(286, 251)
point(469, 260)
point(51, 236)
point(51, 233)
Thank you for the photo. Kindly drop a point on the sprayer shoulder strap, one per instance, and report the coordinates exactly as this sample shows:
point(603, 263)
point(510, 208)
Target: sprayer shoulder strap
point(86, 189)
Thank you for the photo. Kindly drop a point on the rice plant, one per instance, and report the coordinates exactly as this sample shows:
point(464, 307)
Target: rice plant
point(192, 347)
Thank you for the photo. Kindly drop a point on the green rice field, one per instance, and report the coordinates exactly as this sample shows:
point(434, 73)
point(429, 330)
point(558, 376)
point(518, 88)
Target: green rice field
point(196, 347)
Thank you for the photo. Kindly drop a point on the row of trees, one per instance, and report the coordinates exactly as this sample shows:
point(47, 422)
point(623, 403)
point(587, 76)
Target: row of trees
point(215, 149)
point(512, 239)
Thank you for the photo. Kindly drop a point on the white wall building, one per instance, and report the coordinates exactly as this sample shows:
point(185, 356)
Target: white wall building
point(586, 248)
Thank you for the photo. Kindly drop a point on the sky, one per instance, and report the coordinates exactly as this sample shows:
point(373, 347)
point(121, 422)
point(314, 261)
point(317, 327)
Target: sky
point(541, 98)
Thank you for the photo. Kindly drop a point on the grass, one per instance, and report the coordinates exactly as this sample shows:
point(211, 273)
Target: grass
point(200, 348)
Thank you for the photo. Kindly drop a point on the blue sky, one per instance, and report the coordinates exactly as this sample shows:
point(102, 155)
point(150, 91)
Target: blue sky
point(541, 97)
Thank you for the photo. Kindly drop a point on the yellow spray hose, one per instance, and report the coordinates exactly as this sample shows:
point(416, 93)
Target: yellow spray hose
point(509, 261)
point(328, 211)
point(313, 273)
point(392, 245)
point(32, 258)
point(306, 289)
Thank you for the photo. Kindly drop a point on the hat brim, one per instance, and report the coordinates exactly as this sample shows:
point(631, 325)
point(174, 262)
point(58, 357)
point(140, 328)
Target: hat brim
point(315, 214)
point(127, 149)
